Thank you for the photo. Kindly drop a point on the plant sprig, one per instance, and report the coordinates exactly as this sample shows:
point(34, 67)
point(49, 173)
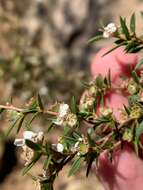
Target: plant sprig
point(124, 35)
point(77, 143)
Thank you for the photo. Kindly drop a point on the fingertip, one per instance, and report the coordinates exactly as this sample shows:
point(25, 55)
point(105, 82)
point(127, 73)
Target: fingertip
point(101, 64)
point(126, 58)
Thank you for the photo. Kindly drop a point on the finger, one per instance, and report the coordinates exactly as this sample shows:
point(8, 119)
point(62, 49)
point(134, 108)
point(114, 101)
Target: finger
point(124, 172)
point(118, 62)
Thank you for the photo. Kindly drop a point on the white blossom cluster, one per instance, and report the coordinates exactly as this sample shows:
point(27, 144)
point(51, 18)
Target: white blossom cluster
point(59, 147)
point(65, 117)
point(28, 153)
point(109, 30)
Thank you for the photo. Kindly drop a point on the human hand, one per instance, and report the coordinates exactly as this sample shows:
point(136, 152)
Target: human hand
point(125, 172)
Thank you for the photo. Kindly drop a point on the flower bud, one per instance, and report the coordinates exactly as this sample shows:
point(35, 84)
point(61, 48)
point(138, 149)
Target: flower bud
point(93, 90)
point(128, 136)
point(132, 88)
point(135, 112)
point(71, 119)
point(106, 111)
point(60, 148)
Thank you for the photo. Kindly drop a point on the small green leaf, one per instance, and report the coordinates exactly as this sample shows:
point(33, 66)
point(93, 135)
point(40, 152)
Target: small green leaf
point(32, 145)
point(135, 49)
point(27, 168)
point(47, 186)
point(90, 159)
point(47, 162)
point(124, 28)
point(50, 127)
point(119, 45)
point(76, 166)
point(76, 135)
point(20, 123)
point(99, 81)
point(119, 41)
point(47, 148)
point(109, 78)
point(96, 38)
point(69, 140)
point(67, 130)
point(133, 23)
point(139, 130)
point(127, 110)
point(33, 105)
point(133, 99)
point(30, 110)
point(74, 108)
point(90, 140)
point(102, 120)
point(140, 63)
point(131, 46)
point(28, 124)
point(136, 146)
point(31, 164)
point(40, 103)
point(11, 127)
point(135, 77)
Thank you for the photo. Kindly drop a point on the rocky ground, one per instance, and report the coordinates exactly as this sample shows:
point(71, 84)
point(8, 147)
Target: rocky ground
point(43, 47)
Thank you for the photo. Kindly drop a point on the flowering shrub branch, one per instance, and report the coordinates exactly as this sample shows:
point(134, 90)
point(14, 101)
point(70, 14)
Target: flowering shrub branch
point(124, 35)
point(88, 128)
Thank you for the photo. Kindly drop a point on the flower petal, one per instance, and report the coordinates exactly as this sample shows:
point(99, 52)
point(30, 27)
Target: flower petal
point(19, 142)
point(28, 135)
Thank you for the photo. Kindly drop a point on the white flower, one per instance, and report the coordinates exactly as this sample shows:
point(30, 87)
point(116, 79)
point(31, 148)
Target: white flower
point(76, 144)
point(109, 30)
point(19, 142)
point(26, 135)
point(60, 148)
point(28, 153)
point(62, 113)
point(40, 136)
point(80, 139)
point(63, 110)
point(29, 135)
point(59, 121)
point(78, 154)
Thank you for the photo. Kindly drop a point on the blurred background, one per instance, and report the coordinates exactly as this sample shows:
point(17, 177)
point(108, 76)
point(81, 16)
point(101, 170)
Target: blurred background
point(43, 49)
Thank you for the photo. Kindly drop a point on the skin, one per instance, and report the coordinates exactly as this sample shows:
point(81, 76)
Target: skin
point(125, 172)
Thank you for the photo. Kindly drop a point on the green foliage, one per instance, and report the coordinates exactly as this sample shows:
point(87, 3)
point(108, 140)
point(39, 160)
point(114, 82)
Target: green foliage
point(125, 36)
point(133, 23)
point(95, 39)
point(47, 162)
point(124, 28)
point(76, 165)
point(32, 163)
point(139, 131)
point(140, 63)
point(73, 107)
point(40, 102)
point(135, 77)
